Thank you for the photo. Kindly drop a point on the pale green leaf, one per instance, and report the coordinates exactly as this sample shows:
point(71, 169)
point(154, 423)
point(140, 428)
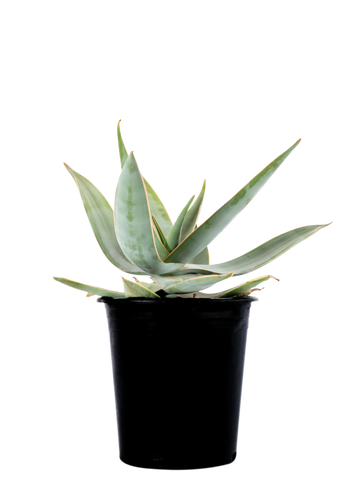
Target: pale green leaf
point(258, 257)
point(188, 283)
point(239, 289)
point(133, 222)
point(156, 206)
point(99, 217)
point(137, 289)
point(86, 288)
point(237, 203)
point(173, 238)
point(194, 213)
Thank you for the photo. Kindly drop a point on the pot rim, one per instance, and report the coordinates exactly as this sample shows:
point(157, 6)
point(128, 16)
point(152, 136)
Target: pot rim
point(254, 298)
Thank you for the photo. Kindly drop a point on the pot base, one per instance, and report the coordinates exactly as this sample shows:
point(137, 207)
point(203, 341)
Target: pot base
point(193, 470)
point(178, 367)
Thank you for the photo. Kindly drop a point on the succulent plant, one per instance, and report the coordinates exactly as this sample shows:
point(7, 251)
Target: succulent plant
point(139, 238)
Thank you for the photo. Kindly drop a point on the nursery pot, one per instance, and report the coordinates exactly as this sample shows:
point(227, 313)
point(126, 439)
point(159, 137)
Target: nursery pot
point(178, 367)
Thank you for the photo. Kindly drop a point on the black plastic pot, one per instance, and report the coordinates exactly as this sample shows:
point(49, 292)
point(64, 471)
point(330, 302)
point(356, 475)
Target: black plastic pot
point(178, 367)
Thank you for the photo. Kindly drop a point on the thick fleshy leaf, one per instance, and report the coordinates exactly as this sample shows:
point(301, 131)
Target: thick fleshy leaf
point(202, 258)
point(250, 285)
point(121, 146)
point(242, 290)
point(88, 288)
point(173, 238)
point(203, 235)
point(160, 240)
point(148, 283)
point(258, 257)
point(101, 217)
point(137, 289)
point(188, 283)
point(194, 213)
point(187, 220)
point(133, 222)
point(200, 269)
point(159, 231)
point(156, 206)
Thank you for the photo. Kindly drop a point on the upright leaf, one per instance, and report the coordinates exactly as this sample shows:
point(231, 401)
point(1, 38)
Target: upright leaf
point(192, 215)
point(173, 238)
point(157, 205)
point(133, 222)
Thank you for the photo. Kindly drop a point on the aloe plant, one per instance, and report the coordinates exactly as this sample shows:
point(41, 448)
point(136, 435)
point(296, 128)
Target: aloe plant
point(139, 238)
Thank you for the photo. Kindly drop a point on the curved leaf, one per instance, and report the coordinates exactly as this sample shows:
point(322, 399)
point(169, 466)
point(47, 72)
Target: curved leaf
point(189, 283)
point(88, 288)
point(202, 236)
point(133, 289)
point(101, 217)
point(202, 257)
point(122, 149)
point(258, 257)
point(200, 269)
point(248, 286)
point(239, 291)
